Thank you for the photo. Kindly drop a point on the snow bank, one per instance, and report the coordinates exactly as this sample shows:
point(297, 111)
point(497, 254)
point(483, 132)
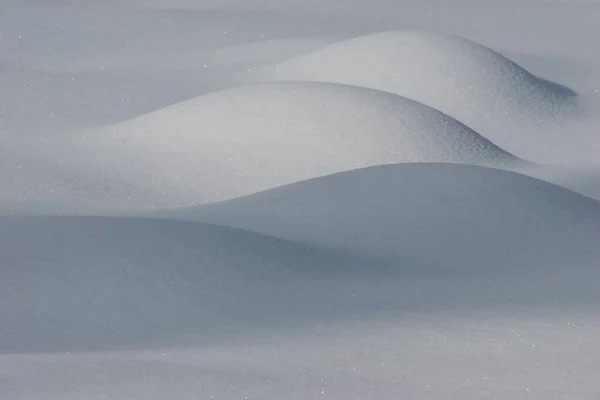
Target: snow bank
point(89, 283)
point(240, 141)
point(252, 138)
point(426, 216)
point(474, 84)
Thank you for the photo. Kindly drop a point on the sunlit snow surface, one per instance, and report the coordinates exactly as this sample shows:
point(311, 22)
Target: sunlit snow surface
point(252, 199)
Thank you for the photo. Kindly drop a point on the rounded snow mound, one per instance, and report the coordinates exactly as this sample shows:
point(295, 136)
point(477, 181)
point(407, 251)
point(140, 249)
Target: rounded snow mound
point(243, 140)
point(472, 83)
point(98, 283)
point(425, 215)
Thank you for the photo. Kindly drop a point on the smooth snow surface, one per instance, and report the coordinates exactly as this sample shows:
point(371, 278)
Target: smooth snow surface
point(226, 144)
point(258, 199)
point(123, 290)
point(516, 221)
point(465, 80)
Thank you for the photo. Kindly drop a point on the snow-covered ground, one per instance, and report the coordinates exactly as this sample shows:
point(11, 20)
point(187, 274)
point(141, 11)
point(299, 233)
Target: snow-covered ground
point(286, 199)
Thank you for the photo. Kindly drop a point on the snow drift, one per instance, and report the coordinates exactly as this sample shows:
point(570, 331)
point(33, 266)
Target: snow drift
point(247, 139)
point(426, 217)
point(98, 283)
point(473, 84)
point(431, 281)
point(240, 141)
point(197, 309)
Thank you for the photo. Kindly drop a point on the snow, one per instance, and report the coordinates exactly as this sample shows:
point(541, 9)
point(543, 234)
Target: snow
point(516, 221)
point(121, 288)
point(225, 144)
point(467, 81)
point(260, 199)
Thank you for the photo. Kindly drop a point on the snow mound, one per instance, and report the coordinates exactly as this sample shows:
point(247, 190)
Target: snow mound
point(89, 283)
point(441, 216)
point(243, 140)
point(474, 84)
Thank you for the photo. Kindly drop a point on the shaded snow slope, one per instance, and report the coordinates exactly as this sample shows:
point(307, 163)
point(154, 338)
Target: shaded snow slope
point(583, 179)
point(243, 140)
point(89, 283)
point(474, 84)
point(79, 284)
point(199, 311)
point(429, 216)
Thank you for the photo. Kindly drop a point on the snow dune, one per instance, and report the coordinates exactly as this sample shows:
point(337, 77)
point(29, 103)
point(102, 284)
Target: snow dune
point(382, 255)
point(299, 199)
point(98, 283)
point(122, 308)
point(243, 140)
point(101, 283)
point(471, 83)
point(426, 216)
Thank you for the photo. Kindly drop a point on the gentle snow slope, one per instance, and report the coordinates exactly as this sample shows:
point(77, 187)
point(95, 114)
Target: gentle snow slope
point(240, 141)
point(89, 283)
point(474, 84)
point(426, 216)
point(194, 311)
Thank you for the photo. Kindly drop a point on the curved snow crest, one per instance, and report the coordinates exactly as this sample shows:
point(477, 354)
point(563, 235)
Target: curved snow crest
point(243, 140)
point(472, 83)
point(430, 215)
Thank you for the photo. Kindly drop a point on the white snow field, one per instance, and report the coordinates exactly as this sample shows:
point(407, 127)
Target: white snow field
point(286, 199)
point(226, 144)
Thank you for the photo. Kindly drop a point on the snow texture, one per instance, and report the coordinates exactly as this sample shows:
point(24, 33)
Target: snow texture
point(257, 199)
